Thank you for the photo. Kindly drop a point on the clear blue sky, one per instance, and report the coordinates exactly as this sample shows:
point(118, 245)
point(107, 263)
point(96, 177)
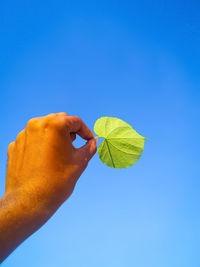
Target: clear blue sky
point(136, 60)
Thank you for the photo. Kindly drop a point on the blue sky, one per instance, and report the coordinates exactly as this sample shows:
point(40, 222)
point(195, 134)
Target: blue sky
point(136, 60)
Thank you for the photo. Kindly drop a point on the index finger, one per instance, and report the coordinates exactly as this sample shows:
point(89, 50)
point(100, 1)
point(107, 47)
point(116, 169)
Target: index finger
point(77, 126)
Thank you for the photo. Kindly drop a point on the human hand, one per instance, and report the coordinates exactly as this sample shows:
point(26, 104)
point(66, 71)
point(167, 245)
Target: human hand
point(43, 165)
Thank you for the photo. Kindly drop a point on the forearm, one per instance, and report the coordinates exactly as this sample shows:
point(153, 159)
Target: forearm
point(19, 219)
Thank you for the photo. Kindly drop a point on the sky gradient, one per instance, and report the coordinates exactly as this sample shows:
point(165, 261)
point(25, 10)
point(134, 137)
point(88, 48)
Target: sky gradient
point(135, 60)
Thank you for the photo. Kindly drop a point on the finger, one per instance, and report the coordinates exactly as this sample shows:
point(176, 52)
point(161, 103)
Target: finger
point(77, 126)
point(87, 151)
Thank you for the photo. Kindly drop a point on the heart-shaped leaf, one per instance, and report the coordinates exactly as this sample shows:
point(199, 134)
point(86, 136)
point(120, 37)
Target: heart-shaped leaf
point(122, 145)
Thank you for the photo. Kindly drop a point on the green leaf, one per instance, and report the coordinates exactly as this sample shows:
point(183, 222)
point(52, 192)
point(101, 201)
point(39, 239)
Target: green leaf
point(122, 145)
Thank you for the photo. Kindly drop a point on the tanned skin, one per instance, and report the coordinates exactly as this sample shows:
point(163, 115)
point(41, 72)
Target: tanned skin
point(43, 167)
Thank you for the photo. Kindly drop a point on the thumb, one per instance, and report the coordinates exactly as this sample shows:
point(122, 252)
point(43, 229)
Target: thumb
point(88, 150)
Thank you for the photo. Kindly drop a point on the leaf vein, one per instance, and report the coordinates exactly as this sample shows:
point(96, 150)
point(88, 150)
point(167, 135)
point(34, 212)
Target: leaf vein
point(124, 151)
point(117, 128)
point(110, 153)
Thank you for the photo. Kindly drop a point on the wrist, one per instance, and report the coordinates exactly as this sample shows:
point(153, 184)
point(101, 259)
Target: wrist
point(18, 220)
point(25, 209)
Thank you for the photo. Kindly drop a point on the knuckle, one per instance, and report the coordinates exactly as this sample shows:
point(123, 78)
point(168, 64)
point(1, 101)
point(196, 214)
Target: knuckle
point(50, 116)
point(63, 114)
point(77, 118)
point(74, 120)
point(21, 134)
point(10, 147)
point(55, 123)
point(48, 120)
point(32, 123)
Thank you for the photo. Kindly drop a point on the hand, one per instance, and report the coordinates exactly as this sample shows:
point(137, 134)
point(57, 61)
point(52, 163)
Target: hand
point(43, 167)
